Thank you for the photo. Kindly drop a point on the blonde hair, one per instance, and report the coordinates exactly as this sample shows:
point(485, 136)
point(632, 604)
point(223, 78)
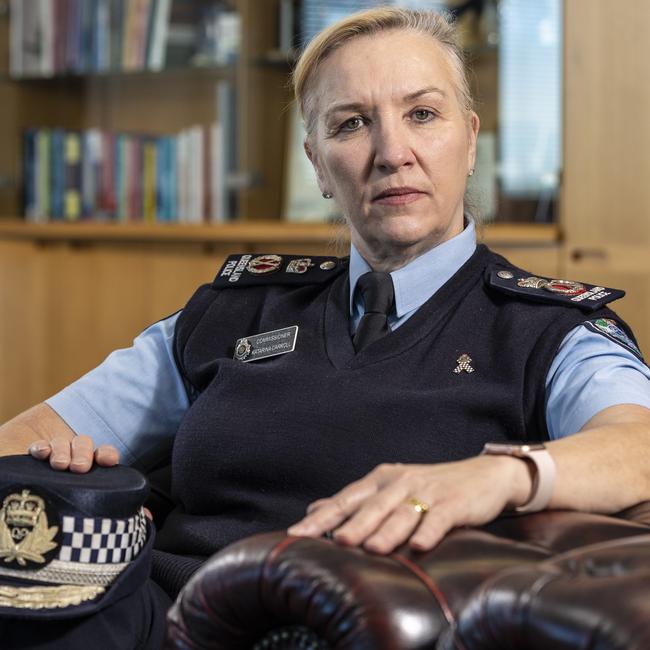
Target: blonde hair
point(439, 26)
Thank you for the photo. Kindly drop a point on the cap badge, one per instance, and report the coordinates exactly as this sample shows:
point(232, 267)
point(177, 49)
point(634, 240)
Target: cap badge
point(464, 361)
point(264, 264)
point(25, 535)
point(301, 265)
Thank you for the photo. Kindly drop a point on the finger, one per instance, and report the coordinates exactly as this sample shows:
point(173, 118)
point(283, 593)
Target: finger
point(316, 505)
point(60, 456)
point(40, 449)
point(433, 527)
point(327, 514)
point(147, 513)
point(107, 456)
point(82, 454)
point(372, 515)
point(395, 530)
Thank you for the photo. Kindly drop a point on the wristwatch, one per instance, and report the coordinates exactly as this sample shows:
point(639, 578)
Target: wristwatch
point(543, 477)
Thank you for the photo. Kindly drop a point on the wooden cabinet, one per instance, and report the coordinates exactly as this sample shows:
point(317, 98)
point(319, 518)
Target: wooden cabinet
point(606, 194)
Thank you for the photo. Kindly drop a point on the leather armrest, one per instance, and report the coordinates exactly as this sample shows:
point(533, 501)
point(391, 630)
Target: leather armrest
point(349, 599)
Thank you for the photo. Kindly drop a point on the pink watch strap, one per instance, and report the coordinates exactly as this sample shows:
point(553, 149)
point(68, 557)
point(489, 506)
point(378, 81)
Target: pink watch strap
point(543, 481)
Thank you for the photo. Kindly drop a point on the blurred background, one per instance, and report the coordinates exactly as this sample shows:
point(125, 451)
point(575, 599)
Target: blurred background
point(144, 140)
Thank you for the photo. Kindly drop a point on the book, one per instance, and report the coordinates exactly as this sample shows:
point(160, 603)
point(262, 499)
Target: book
point(31, 38)
point(43, 170)
point(140, 32)
point(72, 176)
point(149, 175)
point(157, 41)
point(46, 32)
point(107, 200)
point(16, 40)
point(91, 164)
point(228, 162)
point(116, 46)
point(29, 174)
point(57, 177)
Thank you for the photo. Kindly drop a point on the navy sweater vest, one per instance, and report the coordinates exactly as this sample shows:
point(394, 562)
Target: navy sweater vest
point(265, 438)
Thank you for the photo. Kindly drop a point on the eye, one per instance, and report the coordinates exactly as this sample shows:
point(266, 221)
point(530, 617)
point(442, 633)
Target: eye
point(423, 115)
point(352, 124)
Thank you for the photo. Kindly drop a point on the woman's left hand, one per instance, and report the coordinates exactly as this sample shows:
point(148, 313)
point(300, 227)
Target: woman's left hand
point(375, 511)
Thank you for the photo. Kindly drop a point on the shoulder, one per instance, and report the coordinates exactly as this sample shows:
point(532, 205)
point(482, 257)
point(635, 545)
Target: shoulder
point(505, 279)
point(253, 270)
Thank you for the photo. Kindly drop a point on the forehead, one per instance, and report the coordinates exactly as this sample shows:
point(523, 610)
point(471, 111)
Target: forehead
point(392, 63)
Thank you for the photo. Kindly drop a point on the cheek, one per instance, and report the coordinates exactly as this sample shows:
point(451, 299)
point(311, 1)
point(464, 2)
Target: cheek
point(345, 171)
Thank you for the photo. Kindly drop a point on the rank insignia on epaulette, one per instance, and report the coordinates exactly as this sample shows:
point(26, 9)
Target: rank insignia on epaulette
point(587, 297)
point(248, 270)
point(264, 264)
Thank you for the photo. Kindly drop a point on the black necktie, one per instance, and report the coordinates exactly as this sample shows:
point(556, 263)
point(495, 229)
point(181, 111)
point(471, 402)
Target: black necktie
point(378, 295)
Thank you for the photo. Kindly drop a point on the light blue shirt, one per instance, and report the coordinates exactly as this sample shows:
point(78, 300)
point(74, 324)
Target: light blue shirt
point(136, 398)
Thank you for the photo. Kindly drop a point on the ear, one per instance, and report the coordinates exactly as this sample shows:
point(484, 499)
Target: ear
point(313, 159)
point(473, 126)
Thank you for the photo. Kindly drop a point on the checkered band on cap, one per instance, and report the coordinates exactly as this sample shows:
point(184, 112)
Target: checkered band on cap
point(102, 541)
point(93, 551)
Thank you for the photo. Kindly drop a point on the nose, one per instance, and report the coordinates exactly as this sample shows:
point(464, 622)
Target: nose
point(392, 145)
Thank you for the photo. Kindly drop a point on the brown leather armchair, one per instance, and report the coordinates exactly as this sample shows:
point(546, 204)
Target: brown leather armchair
point(547, 581)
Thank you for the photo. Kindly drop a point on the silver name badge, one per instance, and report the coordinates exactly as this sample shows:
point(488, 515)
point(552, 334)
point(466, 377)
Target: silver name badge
point(268, 344)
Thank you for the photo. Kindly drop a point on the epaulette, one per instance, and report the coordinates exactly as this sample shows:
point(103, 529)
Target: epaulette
point(588, 297)
point(254, 269)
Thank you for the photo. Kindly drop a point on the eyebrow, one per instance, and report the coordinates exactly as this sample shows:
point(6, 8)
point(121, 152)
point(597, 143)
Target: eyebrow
point(356, 106)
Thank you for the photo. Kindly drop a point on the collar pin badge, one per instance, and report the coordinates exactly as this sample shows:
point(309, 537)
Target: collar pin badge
point(464, 361)
point(505, 275)
point(328, 265)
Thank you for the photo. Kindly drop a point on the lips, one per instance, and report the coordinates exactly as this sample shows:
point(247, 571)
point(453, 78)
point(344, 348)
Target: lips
point(398, 195)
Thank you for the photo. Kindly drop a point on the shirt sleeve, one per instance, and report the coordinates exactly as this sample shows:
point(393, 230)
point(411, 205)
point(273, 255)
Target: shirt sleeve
point(134, 400)
point(591, 373)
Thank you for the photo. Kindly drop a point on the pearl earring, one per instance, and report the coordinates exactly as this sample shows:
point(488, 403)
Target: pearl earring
point(471, 172)
point(327, 195)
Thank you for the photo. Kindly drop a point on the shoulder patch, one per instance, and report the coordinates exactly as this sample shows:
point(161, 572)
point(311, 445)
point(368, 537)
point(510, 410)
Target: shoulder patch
point(253, 269)
point(610, 329)
point(588, 297)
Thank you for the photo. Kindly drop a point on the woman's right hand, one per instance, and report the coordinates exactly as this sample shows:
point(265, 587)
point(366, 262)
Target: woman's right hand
point(76, 455)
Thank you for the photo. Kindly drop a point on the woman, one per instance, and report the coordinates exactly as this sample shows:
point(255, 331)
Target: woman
point(386, 406)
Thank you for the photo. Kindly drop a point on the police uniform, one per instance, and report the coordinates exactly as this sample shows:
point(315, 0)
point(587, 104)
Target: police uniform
point(480, 351)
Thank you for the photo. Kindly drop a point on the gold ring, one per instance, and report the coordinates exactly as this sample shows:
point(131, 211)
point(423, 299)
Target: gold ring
point(419, 506)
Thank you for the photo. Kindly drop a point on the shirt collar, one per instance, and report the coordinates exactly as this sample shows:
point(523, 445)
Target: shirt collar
point(416, 282)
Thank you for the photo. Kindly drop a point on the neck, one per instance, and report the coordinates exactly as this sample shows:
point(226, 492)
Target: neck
point(391, 256)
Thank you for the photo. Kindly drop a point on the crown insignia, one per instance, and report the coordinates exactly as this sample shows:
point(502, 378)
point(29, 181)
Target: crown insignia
point(25, 535)
point(22, 509)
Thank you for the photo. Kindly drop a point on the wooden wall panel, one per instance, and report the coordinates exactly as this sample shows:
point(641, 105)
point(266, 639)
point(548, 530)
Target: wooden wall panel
point(606, 194)
point(24, 326)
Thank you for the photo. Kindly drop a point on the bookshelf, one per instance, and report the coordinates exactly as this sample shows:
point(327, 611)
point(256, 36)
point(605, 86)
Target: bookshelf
point(75, 291)
point(136, 107)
